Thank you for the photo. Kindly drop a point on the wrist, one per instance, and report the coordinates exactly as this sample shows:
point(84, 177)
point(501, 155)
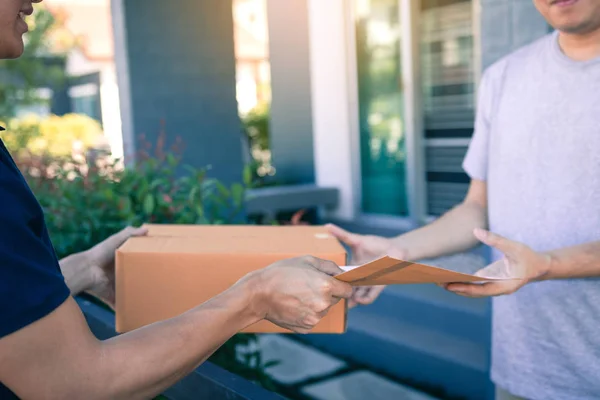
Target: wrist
point(251, 289)
point(543, 267)
point(399, 246)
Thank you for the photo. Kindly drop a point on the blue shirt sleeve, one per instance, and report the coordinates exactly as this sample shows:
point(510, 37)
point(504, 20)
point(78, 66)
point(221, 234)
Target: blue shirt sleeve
point(31, 283)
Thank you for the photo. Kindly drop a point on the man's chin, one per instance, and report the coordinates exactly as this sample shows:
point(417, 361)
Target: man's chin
point(12, 53)
point(575, 28)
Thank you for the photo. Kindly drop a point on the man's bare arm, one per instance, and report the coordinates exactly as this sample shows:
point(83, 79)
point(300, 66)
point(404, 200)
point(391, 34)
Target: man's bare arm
point(452, 232)
point(582, 261)
point(64, 359)
point(528, 265)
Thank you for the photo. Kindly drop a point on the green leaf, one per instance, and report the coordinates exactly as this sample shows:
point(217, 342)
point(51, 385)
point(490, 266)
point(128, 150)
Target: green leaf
point(208, 188)
point(237, 193)
point(171, 160)
point(192, 195)
point(223, 190)
point(247, 175)
point(149, 204)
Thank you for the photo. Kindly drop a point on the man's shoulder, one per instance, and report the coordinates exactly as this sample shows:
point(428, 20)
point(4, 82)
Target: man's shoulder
point(518, 59)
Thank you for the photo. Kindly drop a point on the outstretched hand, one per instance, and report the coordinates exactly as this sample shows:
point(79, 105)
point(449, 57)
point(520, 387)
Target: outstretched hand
point(101, 261)
point(519, 266)
point(366, 248)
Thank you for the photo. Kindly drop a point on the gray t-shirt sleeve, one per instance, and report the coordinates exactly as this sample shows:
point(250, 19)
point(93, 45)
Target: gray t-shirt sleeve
point(475, 163)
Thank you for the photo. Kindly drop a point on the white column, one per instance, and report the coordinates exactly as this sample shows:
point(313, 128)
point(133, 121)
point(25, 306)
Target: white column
point(334, 103)
point(122, 71)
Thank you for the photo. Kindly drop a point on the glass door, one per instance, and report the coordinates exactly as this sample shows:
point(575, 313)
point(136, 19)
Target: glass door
point(382, 125)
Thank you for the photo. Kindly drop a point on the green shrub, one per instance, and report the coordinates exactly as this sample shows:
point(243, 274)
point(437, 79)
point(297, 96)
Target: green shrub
point(85, 201)
point(256, 126)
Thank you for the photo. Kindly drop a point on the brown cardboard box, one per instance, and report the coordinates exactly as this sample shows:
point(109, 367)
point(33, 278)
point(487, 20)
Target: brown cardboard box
point(177, 267)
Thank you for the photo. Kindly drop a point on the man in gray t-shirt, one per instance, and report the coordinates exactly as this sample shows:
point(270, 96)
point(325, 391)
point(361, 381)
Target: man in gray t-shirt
point(534, 161)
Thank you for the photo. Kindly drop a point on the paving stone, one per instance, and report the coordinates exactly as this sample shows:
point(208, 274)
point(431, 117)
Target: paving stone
point(297, 361)
point(360, 386)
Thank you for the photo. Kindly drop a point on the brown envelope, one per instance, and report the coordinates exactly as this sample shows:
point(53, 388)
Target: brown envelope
point(391, 271)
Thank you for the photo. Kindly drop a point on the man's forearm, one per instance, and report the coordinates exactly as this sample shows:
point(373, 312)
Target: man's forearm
point(451, 233)
point(136, 365)
point(582, 261)
point(166, 352)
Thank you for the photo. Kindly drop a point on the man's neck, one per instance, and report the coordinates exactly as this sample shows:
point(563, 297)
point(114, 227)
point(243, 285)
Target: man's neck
point(580, 47)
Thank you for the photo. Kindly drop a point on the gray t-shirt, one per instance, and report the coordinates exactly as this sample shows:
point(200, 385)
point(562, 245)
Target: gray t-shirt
point(537, 145)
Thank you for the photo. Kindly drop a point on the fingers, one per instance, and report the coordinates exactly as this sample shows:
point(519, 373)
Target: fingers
point(328, 267)
point(359, 294)
point(116, 240)
point(103, 252)
point(494, 240)
point(349, 238)
point(371, 295)
point(367, 294)
point(488, 289)
point(130, 231)
point(340, 290)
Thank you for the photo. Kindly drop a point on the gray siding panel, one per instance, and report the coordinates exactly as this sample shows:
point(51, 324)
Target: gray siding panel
point(445, 159)
point(443, 195)
point(291, 106)
point(183, 73)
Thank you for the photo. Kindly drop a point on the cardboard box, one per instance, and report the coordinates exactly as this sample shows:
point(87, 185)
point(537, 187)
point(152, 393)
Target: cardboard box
point(177, 267)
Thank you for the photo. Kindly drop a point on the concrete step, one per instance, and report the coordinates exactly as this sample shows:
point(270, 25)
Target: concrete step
point(434, 308)
point(423, 335)
point(361, 385)
point(443, 365)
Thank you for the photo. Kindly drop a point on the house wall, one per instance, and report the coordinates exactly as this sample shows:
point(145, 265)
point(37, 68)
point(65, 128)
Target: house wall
point(291, 121)
point(175, 63)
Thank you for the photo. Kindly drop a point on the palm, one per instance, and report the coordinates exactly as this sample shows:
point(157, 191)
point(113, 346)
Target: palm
point(103, 263)
point(105, 289)
point(366, 248)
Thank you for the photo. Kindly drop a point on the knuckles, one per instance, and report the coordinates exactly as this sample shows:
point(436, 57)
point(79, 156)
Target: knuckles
point(309, 260)
point(326, 287)
point(320, 306)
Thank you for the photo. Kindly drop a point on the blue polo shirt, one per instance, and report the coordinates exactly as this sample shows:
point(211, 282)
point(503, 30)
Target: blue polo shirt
point(31, 284)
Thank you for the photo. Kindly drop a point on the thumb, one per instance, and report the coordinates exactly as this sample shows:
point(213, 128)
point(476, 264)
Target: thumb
point(348, 238)
point(399, 254)
point(328, 267)
point(115, 241)
point(130, 231)
point(501, 243)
